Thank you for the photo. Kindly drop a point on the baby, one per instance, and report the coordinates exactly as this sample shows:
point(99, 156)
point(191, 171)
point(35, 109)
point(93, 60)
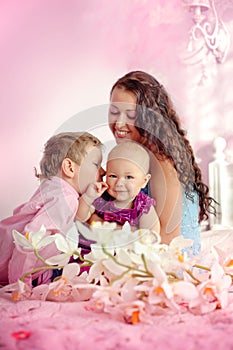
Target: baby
point(126, 174)
point(70, 169)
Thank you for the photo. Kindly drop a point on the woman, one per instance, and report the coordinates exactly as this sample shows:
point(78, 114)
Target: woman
point(141, 110)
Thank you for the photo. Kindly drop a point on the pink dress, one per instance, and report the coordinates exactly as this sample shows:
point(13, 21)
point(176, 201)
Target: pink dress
point(54, 205)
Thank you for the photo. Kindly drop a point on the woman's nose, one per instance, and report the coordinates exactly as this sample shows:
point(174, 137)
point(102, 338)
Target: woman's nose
point(121, 120)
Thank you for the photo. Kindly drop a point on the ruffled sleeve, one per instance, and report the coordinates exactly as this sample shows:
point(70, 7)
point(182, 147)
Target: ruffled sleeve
point(143, 203)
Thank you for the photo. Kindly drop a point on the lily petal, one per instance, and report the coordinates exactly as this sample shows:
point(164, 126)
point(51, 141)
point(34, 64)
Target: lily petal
point(21, 240)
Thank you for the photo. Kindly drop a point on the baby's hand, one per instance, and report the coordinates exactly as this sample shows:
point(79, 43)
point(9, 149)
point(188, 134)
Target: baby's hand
point(101, 187)
point(95, 190)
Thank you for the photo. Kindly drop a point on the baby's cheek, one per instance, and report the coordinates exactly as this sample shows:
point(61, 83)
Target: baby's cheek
point(130, 188)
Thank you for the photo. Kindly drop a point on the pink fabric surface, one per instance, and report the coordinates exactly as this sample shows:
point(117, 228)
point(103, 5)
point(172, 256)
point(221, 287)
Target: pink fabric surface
point(76, 325)
point(73, 325)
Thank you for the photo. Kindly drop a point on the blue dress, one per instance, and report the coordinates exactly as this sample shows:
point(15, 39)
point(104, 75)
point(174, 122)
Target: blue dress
point(190, 227)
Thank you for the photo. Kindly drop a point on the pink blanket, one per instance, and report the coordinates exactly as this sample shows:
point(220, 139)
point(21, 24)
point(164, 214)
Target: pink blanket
point(46, 325)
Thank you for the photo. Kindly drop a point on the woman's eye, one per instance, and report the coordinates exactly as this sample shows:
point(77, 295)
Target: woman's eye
point(131, 114)
point(114, 110)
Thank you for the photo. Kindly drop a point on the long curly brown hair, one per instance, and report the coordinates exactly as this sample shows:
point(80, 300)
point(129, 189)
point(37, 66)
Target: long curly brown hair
point(161, 132)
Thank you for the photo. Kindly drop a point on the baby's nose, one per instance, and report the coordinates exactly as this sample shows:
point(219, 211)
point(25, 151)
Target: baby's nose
point(120, 182)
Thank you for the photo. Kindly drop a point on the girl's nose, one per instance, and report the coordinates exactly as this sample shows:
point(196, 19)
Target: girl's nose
point(120, 182)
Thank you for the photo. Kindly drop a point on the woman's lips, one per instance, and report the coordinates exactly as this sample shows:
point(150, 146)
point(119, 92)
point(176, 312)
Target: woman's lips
point(120, 133)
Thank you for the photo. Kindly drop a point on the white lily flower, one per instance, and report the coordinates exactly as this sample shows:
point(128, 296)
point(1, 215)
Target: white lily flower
point(225, 259)
point(159, 289)
point(98, 231)
point(150, 251)
point(105, 233)
point(179, 243)
point(213, 292)
point(185, 290)
point(174, 258)
point(18, 290)
point(33, 240)
point(68, 246)
point(114, 267)
point(61, 289)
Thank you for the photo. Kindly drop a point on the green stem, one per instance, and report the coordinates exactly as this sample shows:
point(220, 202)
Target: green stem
point(85, 264)
point(36, 252)
point(145, 265)
point(118, 277)
point(148, 274)
point(49, 267)
point(173, 275)
point(81, 258)
point(202, 267)
point(209, 269)
point(42, 268)
point(193, 277)
point(138, 275)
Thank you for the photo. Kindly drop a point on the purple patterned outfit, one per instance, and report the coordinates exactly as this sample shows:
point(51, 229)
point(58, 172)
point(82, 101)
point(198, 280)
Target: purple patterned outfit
point(106, 209)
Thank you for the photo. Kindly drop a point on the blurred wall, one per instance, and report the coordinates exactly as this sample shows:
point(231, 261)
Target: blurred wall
point(60, 57)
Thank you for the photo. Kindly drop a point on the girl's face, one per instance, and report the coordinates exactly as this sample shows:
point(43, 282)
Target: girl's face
point(125, 180)
point(122, 115)
point(90, 170)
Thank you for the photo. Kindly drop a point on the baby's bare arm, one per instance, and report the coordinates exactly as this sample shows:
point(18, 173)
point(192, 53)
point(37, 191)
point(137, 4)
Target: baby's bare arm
point(85, 208)
point(150, 221)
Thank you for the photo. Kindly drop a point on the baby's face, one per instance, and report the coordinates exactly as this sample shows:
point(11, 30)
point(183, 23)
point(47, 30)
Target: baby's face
point(90, 169)
point(125, 179)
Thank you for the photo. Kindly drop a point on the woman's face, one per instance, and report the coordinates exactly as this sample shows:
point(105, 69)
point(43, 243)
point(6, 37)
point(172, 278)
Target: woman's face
point(122, 115)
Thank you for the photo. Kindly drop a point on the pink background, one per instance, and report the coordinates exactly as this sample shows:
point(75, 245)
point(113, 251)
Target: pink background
point(61, 57)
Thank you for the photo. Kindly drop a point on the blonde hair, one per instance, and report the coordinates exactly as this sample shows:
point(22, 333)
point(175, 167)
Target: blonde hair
point(72, 145)
point(133, 152)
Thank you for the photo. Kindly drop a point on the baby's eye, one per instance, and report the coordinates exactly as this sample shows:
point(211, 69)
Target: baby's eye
point(129, 177)
point(112, 176)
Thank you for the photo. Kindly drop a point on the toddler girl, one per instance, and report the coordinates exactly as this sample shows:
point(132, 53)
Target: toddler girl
point(126, 174)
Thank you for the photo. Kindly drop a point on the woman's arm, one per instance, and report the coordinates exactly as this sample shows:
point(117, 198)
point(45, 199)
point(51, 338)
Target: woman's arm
point(167, 191)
